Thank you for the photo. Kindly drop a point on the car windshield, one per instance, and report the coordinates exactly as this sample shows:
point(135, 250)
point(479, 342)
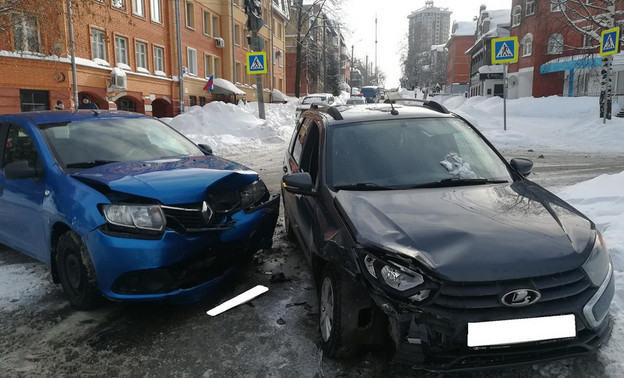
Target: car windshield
point(314, 99)
point(84, 144)
point(409, 153)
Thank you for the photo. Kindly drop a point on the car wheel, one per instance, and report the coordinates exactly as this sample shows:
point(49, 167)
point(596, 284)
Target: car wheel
point(290, 233)
point(76, 272)
point(332, 319)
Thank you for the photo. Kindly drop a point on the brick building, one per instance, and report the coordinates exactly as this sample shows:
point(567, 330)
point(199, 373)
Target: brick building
point(126, 53)
point(457, 62)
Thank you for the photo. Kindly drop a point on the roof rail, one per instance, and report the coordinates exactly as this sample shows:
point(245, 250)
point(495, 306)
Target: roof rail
point(331, 110)
point(427, 103)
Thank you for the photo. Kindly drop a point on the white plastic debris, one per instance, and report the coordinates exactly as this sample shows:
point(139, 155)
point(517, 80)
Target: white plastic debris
point(238, 300)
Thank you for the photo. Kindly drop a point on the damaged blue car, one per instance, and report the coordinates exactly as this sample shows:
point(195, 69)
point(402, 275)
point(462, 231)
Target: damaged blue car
point(122, 206)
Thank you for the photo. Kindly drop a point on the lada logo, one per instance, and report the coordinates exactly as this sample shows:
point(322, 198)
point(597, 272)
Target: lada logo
point(520, 297)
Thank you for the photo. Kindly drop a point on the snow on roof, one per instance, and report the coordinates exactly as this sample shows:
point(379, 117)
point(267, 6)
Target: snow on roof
point(491, 69)
point(219, 82)
point(464, 28)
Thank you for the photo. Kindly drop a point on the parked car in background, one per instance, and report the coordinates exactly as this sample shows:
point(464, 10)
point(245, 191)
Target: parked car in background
point(316, 98)
point(372, 93)
point(420, 235)
point(123, 206)
point(356, 100)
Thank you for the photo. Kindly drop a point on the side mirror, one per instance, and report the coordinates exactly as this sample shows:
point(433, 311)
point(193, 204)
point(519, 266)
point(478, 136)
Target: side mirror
point(522, 166)
point(19, 170)
point(205, 148)
point(298, 183)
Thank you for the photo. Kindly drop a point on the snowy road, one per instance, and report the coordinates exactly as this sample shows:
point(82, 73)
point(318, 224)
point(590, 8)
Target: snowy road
point(275, 336)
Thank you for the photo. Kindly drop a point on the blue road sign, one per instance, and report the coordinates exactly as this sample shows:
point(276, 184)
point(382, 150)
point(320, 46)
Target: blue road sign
point(505, 50)
point(610, 42)
point(256, 63)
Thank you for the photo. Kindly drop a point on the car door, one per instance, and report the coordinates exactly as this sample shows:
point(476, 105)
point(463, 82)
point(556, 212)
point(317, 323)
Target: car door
point(21, 200)
point(303, 157)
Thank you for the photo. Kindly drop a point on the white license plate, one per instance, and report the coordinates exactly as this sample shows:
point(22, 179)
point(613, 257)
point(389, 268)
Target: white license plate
point(515, 331)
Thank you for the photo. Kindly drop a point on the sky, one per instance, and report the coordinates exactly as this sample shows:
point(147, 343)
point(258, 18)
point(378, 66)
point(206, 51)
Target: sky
point(392, 23)
point(548, 123)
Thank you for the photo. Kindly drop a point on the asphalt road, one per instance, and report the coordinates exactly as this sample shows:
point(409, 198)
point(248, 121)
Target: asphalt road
point(275, 335)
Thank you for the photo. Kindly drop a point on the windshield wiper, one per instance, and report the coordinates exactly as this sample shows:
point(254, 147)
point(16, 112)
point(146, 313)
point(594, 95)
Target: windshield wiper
point(455, 181)
point(361, 186)
point(90, 164)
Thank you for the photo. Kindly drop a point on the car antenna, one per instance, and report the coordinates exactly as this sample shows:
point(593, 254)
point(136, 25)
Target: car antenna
point(393, 111)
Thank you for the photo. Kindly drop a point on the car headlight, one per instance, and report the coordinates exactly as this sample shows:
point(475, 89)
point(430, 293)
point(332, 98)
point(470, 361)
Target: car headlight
point(254, 194)
point(597, 265)
point(396, 277)
point(143, 217)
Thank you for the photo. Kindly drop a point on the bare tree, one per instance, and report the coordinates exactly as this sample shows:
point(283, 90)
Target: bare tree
point(308, 19)
point(589, 19)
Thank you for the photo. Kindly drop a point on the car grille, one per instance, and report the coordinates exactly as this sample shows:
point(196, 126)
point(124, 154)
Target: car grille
point(190, 218)
point(481, 296)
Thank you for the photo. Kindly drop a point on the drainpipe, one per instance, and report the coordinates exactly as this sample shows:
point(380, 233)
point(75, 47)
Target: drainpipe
point(179, 47)
point(232, 42)
point(73, 53)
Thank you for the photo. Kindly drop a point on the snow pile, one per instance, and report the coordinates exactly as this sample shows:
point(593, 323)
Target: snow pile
point(231, 129)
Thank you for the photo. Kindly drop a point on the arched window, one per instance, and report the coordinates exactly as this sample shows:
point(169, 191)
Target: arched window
point(529, 7)
point(516, 16)
point(527, 44)
point(555, 43)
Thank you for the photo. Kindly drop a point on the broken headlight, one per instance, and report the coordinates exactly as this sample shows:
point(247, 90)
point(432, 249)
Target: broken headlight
point(597, 265)
point(398, 278)
point(254, 194)
point(135, 217)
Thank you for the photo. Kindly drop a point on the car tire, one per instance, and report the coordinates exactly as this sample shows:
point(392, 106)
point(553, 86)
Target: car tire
point(76, 272)
point(335, 316)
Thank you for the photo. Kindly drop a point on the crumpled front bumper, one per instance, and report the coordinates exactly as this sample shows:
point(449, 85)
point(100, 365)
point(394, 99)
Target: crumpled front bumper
point(179, 268)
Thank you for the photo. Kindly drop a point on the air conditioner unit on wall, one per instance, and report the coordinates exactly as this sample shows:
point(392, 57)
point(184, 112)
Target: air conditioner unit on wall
point(118, 79)
point(220, 42)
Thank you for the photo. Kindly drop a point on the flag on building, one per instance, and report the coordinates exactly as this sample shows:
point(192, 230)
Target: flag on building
point(209, 83)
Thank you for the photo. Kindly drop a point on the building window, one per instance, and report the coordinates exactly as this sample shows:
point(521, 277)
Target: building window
point(141, 55)
point(215, 27)
point(191, 55)
point(26, 33)
point(159, 59)
point(208, 65)
point(119, 4)
point(237, 35)
point(155, 11)
point(98, 44)
point(529, 7)
point(216, 66)
point(31, 100)
point(557, 5)
point(238, 72)
point(527, 45)
point(206, 18)
point(555, 44)
point(121, 50)
point(516, 16)
point(190, 15)
point(138, 9)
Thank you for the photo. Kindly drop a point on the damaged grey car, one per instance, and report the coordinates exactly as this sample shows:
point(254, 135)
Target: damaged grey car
point(422, 238)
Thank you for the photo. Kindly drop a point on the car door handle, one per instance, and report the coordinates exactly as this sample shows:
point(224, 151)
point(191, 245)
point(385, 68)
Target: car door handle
point(285, 169)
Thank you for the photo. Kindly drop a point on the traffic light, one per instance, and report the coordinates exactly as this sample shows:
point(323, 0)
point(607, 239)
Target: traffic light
point(253, 9)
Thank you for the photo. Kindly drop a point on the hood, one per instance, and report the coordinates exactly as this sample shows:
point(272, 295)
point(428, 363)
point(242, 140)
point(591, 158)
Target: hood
point(474, 233)
point(170, 181)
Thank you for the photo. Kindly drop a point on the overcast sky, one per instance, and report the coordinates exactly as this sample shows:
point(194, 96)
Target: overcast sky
point(392, 22)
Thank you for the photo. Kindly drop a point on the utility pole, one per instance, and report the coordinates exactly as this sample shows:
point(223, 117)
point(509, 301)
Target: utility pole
point(376, 78)
point(351, 73)
point(73, 53)
point(253, 9)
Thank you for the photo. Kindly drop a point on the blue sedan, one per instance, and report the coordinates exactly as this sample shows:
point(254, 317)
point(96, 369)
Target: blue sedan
point(121, 205)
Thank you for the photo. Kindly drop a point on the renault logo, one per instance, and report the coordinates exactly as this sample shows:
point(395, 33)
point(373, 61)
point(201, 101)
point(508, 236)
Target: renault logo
point(520, 297)
point(206, 212)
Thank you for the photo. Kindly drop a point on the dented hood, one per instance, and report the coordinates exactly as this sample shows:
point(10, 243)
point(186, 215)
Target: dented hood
point(170, 181)
point(473, 233)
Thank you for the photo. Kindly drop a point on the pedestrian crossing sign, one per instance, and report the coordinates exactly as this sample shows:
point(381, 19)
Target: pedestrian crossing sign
point(610, 42)
point(505, 50)
point(256, 63)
